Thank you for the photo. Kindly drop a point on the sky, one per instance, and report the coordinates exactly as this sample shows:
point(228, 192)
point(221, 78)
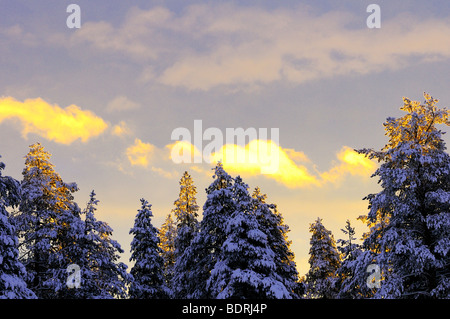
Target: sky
point(107, 99)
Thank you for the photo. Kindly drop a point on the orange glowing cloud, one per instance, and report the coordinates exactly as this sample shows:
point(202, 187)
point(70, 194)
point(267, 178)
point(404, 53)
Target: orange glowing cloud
point(283, 165)
point(351, 163)
point(61, 125)
point(140, 153)
point(183, 152)
point(288, 167)
point(121, 129)
point(266, 157)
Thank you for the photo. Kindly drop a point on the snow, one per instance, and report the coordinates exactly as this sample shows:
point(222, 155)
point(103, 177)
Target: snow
point(240, 248)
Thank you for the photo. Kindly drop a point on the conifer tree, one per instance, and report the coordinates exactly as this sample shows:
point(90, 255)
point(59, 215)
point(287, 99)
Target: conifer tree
point(102, 276)
point(147, 272)
point(206, 246)
point(271, 223)
point(48, 224)
point(324, 261)
point(85, 257)
point(348, 246)
point(187, 226)
point(357, 285)
point(349, 251)
point(167, 236)
point(12, 271)
point(409, 218)
point(245, 268)
point(186, 213)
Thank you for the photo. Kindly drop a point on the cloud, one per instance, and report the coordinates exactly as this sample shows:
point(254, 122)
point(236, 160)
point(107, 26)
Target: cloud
point(266, 157)
point(16, 32)
point(120, 104)
point(349, 163)
point(277, 46)
point(183, 151)
point(138, 37)
point(286, 166)
point(150, 157)
point(210, 45)
point(121, 129)
point(61, 125)
point(140, 153)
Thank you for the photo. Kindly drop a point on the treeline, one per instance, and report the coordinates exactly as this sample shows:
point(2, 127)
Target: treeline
point(47, 231)
point(239, 248)
point(405, 253)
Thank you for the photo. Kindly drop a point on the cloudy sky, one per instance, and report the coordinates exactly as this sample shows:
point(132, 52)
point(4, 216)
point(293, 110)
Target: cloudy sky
point(105, 99)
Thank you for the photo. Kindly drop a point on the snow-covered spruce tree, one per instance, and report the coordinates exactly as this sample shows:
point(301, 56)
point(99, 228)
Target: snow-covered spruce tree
point(206, 246)
point(349, 251)
point(12, 271)
point(167, 235)
point(324, 261)
point(71, 228)
point(102, 276)
point(187, 226)
point(409, 218)
point(148, 278)
point(271, 223)
point(245, 268)
point(85, 256)
point(48, 224)
point(357, 286)
point(348, 247)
